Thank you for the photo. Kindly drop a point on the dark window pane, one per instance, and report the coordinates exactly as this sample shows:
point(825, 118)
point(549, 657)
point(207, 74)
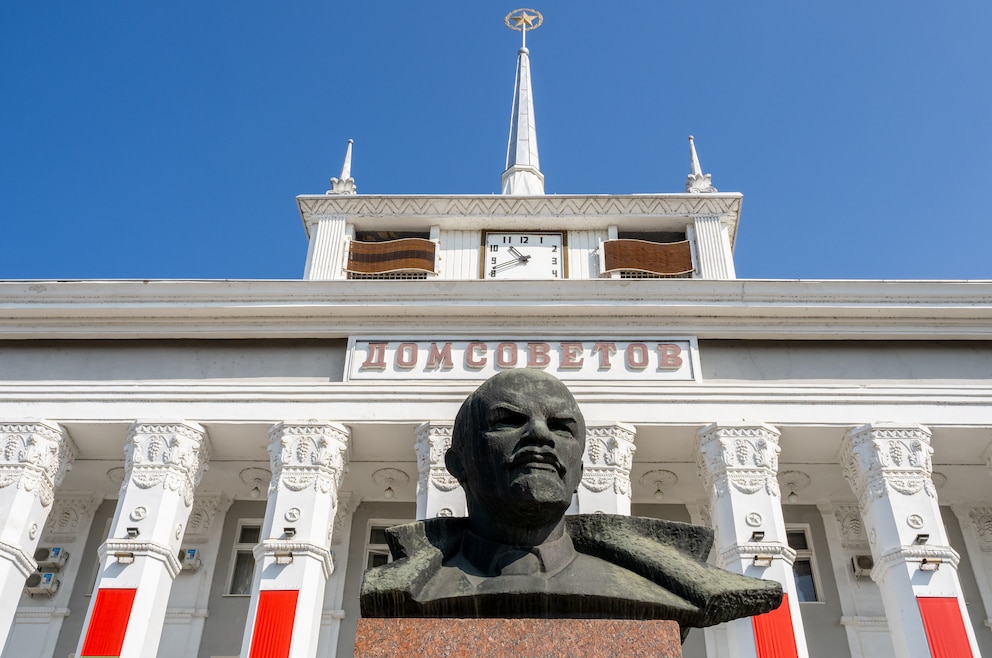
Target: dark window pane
point(377, 559)
point(250, 534)
point(797, 540)
point(378, 535)
point(244, 571)
point(805, 589)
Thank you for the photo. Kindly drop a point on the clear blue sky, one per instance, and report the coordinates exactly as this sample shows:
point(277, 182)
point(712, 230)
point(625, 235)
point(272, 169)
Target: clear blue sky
point(169, 139)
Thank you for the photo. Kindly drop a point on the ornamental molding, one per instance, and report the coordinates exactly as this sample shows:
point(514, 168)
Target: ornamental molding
point(748, 550)
point(172, 455)
point(608, 457)
point(981, 518)
point(880, 460)
point(900, 555)
point(148, 549)
point(347, 503)
point(24, 562)
point(207, 507)
point(70, 516)
point(269, 547)
point(739, 457)
point(39, 615)
point(433, 441)
point(468, 209)
point(308, 454)
point(35, 457)
point(868, 623)
point(852, 527)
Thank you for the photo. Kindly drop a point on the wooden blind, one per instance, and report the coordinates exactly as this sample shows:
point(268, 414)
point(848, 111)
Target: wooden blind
point(643, 256)
point(406, 254)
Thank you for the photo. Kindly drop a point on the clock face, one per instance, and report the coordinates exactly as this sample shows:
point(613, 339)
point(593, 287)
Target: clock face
point(523, 256)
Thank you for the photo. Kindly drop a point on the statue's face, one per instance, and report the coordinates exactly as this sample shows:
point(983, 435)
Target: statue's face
point(526, 450)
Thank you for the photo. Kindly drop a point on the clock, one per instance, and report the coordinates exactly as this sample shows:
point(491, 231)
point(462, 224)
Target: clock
point(518, 255)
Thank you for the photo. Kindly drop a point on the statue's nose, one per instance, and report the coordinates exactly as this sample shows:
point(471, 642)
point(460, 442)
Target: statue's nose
point(537, 431)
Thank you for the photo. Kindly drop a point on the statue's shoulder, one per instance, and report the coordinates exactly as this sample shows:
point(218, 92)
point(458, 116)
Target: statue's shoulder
point(672, 555)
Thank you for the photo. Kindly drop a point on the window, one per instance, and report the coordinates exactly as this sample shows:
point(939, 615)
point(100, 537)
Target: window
point(804, 568)
point(243, 560)
point(376, 550)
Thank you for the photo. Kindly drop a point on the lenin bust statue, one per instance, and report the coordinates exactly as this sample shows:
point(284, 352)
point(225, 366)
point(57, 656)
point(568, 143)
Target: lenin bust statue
point(516, 449)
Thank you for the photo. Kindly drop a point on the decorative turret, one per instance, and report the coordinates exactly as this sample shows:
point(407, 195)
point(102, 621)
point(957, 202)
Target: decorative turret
point(345, 184)
point(523, 168)
point(698, 182)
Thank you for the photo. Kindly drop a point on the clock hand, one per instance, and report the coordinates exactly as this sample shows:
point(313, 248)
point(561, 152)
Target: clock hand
point(513, 250)
point(507, 265)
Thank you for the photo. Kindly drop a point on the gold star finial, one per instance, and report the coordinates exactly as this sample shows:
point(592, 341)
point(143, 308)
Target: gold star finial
point(524, 20)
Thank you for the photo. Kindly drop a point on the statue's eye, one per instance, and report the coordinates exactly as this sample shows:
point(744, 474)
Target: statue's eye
point(508, 419)
point(563, 426)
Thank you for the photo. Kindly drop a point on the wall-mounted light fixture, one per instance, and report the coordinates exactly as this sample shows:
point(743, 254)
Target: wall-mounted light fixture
point(283, 557)
point(758, 535)
point(762, 560)
point(289, 532)
point(124, 557)
point(930, 564)
point(133, 532)
point(922, 538)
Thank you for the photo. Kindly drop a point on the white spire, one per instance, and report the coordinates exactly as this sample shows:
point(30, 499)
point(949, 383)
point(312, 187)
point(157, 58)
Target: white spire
point(345, 184)
point(698, 181)
point(523, 167)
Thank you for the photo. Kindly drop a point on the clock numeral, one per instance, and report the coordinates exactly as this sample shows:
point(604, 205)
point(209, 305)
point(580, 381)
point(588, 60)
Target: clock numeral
point(542, 239)
point(554, 261)
point(492, 272)
point(493, 259)
point(524, 239)
point(507, 239)
point(554, 273)
point(554, 249)
point(494, 247)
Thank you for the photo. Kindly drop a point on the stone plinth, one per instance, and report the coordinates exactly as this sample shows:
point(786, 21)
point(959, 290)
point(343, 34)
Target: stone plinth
point(589, 638)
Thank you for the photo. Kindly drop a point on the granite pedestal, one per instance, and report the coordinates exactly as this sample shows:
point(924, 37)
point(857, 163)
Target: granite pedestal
point(534, 638)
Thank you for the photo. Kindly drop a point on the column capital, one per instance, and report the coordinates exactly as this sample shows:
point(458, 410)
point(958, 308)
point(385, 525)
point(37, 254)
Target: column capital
point(608, 458)
point(173, 454)
point(269, 548)
point(70, 512)
point(35, 455)
point(433, 441)
point(744, 457)
point(306, 454)
point(882, 458)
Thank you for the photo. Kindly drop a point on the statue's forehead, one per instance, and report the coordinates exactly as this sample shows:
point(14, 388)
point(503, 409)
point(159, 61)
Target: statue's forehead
point(529, 394)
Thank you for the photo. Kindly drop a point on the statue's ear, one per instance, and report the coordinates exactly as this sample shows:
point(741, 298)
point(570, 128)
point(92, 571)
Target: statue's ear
point(582, 466)
point(453, 461)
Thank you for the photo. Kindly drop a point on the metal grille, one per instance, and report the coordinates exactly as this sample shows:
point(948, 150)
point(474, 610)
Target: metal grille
point(396, 276)
point(633, 274)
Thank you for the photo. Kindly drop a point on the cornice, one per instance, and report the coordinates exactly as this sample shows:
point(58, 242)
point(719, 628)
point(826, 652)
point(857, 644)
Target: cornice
point(757, 309)
point(556, 211)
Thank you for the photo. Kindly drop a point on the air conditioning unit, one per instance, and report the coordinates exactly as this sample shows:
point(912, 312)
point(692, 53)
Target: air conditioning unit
point(41, 582)
point(50, 557)
point(189, 559)
point(862, 566)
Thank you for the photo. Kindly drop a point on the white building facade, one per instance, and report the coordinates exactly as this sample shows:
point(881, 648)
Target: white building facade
point(196, 468)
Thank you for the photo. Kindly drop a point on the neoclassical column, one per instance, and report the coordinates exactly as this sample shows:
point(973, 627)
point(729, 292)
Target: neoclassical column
point(438, 492)
point(714, 253)
point(976, 527)
point(738, 465)
point(293, 560)
point(34, 457)
point(889, 469)
point(606, 466)
point(164, 461)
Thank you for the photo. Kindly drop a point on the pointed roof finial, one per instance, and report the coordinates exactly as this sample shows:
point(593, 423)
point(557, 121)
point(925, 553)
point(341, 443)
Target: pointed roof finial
point(345, 184)
point(698, 182)
point(523, 168)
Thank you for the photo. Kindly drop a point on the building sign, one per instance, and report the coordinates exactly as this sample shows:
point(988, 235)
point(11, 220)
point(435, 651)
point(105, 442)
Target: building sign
point(641, 359)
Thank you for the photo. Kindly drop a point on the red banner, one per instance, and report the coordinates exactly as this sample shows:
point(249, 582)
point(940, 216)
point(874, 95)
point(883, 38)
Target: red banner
point(774, 636)
point(108, 623)
point(944, 625)
point(273, 631)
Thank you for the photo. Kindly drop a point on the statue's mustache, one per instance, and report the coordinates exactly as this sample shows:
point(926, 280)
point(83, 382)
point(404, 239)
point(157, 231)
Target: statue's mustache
point(531, 455)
